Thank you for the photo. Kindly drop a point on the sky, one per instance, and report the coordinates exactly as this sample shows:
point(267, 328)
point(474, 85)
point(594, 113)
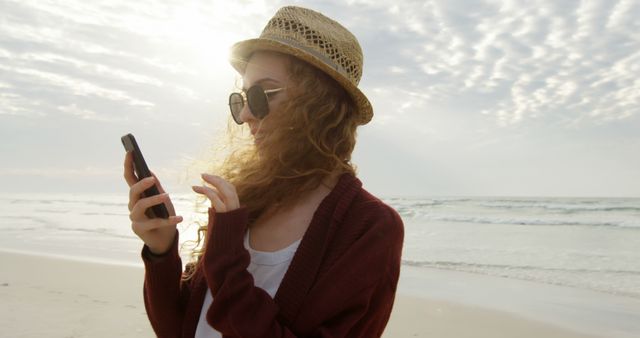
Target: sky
point(471, 98)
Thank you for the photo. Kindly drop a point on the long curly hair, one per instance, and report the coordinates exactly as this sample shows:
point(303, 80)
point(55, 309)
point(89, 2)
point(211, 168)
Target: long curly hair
point(311, 136)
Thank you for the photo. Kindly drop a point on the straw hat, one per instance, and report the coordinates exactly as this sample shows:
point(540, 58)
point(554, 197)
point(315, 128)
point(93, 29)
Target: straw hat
point(316, 39)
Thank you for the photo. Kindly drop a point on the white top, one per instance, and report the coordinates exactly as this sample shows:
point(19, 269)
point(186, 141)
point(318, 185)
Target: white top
point(267, 269)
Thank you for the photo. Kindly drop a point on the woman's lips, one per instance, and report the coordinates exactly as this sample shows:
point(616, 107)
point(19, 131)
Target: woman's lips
point(257, 134)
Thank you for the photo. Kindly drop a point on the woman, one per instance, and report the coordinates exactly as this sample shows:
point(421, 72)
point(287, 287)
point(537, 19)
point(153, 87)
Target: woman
point(294, 246)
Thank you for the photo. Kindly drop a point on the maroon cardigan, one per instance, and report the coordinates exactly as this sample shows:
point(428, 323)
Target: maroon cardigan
point(341, 282)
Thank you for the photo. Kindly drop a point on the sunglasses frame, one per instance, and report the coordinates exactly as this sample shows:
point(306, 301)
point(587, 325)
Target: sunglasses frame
point(247, 99)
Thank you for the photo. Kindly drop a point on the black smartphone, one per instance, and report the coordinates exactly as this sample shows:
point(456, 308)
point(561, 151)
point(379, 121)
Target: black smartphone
point(142, 171)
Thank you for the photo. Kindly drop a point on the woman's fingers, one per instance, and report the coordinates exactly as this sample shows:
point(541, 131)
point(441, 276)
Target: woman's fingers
point(155, 223)
point(137, 189)
point(137, 212)
point(160, 188)
point(170, 207)
point(129, 175)
point(157, 233)
point(227, 191)
point(216, 202)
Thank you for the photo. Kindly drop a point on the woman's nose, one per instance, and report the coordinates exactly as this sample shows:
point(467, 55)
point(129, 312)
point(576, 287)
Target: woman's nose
point(246, 115)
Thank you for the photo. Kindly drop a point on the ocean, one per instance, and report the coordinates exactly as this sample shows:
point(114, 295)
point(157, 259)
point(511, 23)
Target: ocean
point(587, 243)
point(590, 243)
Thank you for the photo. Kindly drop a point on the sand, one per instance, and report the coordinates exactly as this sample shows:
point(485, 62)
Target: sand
point(417, 317)
point(52, 297)
point(49, 297)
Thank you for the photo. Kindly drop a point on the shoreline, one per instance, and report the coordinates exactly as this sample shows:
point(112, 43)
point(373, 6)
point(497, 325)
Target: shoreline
point(85, 298)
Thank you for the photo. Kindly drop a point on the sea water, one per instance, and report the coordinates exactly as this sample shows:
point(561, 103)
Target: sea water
point(81, 226)
point(589, 243)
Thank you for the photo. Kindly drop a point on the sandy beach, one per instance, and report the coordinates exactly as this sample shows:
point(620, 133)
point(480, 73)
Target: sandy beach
point(54, 297)
point(51, 297)
point(419, 317)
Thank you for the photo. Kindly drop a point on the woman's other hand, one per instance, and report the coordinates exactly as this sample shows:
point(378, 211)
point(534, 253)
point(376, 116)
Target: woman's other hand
point(157, 233)
point(222, 194)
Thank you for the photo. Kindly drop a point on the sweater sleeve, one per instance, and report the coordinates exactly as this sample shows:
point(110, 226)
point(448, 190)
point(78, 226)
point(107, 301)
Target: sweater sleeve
point(164, 294)
point(240, 309)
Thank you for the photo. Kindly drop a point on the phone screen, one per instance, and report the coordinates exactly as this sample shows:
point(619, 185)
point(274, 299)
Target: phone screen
point(142, 171)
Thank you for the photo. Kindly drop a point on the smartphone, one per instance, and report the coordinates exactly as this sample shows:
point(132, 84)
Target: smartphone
point(142, 171)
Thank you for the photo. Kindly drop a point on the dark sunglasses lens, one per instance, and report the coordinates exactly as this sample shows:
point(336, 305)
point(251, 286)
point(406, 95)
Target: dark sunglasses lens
point(236, 102)
point(258, 102)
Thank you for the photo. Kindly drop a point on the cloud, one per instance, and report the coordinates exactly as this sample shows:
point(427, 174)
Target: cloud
point(536, 60)
point(533, 59)
point(120, 59)
point(73, 85)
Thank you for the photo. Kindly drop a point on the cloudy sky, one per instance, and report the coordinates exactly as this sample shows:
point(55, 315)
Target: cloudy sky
point(517, 98)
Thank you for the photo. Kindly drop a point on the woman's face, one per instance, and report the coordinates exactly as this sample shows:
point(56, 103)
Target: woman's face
point(270, 72)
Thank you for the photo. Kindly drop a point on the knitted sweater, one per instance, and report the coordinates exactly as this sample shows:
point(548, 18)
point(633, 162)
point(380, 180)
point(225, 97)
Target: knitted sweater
point(341, 281)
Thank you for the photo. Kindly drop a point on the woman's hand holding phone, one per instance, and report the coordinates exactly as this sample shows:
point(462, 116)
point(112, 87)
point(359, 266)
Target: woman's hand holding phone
point(157, 233)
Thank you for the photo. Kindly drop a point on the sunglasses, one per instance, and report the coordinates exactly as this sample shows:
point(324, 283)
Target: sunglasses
point(257, 98)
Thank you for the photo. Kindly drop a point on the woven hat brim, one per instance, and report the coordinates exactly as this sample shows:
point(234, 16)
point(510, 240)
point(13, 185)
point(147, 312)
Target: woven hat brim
point(241, 51)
